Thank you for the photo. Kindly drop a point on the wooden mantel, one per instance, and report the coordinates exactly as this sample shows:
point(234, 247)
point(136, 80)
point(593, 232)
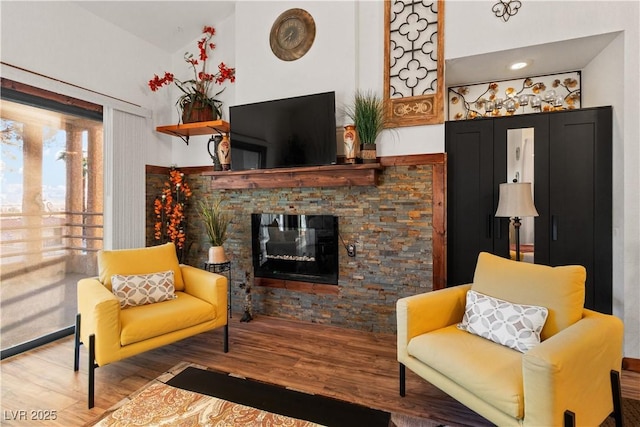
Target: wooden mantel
point(315, 176)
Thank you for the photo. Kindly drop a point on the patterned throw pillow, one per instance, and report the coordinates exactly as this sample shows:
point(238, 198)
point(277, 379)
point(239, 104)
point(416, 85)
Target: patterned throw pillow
point(513, 325)
point(140, 289)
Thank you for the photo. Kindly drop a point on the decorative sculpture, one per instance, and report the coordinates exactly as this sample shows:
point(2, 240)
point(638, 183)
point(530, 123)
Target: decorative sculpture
point(505, 9)
point(248, 306)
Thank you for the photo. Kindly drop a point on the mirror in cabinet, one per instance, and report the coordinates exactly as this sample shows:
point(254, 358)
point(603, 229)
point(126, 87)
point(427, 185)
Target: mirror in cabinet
point(520, 169)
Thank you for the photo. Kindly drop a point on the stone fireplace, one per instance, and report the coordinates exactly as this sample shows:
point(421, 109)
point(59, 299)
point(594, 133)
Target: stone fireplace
point(396, 225)
point(295, 247)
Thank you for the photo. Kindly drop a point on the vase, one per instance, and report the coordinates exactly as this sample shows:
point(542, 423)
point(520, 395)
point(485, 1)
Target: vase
point(368, 153)
point(224, 153)
point(197, 111)
point(217, 255)
point(350, 137)
point(216, 139)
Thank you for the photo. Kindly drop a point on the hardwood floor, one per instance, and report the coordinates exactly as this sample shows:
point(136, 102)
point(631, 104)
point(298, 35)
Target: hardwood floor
point(346, 364)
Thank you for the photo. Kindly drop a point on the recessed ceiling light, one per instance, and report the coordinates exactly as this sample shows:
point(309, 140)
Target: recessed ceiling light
point(519, 65)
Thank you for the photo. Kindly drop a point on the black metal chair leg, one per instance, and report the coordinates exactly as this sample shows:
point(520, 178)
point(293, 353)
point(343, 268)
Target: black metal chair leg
point(403, 376)
point(76, 355)
point(92, 369)
point(569, 419)
point(226, 338)
point(617, 398)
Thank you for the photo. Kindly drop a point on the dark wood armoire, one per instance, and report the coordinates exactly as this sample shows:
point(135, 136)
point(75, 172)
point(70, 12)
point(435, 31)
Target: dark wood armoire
point(570, 158)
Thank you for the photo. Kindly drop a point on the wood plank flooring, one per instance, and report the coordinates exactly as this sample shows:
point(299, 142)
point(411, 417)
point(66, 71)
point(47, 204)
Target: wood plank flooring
point(342, 363)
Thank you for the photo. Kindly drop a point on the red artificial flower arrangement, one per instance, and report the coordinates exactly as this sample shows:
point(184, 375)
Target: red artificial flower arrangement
point(195, 92)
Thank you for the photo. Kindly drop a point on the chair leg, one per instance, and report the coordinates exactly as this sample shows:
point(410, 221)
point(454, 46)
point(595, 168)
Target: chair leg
point(403, 376)
point(92, 369)
point(76, 355)
point(226, 338)
point(617, 398)
point(569, 419)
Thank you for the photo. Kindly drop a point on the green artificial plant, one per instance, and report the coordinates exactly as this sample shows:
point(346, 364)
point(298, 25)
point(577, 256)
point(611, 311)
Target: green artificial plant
point(216, 220)
point(367, 113)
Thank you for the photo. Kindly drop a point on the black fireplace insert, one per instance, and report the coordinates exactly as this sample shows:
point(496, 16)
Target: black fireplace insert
point(295, 247)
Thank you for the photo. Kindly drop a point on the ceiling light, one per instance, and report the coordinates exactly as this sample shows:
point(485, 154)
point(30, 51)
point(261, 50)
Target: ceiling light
point(519, 65)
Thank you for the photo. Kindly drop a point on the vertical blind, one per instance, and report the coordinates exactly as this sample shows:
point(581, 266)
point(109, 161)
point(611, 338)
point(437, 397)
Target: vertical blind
point(124, 179)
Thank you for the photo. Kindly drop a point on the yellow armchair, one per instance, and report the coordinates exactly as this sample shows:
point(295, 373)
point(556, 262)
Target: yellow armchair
point(571, 376)
point(198, 304)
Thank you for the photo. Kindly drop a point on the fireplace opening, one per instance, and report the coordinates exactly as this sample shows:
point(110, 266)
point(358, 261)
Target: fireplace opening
point(295, 247)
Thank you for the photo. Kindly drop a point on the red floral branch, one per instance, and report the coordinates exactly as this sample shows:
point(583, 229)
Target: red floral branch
point(201, 81)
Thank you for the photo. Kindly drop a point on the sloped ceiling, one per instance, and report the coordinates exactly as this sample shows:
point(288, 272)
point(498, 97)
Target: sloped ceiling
point(169, 25)
point(549, 58)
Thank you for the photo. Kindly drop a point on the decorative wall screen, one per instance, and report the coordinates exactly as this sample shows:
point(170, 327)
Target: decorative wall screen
point(414, 62)
point(553, 92)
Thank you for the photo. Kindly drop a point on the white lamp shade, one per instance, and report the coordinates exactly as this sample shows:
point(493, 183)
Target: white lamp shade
point(516, 200)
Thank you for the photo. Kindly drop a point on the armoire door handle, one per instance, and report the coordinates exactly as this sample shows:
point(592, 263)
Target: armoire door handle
point(554, 228)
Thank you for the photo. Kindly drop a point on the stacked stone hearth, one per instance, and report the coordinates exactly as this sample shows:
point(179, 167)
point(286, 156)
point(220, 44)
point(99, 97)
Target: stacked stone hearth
point(391, 223)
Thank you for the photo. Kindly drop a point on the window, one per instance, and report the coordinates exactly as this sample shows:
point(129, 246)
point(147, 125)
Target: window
point(51, 211)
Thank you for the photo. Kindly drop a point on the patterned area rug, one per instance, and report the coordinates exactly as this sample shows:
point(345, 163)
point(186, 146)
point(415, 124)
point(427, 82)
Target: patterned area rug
point(158, 404)
point(630, 414)
point(163, 405)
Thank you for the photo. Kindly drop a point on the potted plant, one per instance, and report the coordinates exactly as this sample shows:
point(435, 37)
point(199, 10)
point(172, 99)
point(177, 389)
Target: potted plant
point(197, 104)
point(367, 113)
point(216, 222)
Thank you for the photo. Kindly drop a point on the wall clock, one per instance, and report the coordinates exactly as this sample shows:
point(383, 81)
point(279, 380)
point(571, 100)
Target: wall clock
point(292, 34)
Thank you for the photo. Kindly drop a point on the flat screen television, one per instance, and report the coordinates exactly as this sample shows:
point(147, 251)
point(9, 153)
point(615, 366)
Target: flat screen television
point(288, 132)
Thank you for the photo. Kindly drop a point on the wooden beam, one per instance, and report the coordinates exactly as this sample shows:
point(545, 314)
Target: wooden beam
point(413, 159)
point(439, 225)
point(51, 96)
point(631, 364)
point(316, 176)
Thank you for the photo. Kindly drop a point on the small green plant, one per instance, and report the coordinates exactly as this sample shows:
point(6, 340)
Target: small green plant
point(367, 113)
point(216, 221)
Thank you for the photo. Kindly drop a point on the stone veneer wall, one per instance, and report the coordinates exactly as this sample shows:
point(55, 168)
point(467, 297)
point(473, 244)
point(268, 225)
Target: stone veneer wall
point(391, 224)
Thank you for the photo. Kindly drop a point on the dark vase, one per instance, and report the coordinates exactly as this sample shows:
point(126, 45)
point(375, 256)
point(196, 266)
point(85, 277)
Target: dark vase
point(198, 111)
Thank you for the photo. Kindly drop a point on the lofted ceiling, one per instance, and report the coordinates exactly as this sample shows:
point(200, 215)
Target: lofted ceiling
point(171, 25)
point(549, 58)
point(168, 25)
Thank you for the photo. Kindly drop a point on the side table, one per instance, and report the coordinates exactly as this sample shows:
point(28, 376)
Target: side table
point(223, 268)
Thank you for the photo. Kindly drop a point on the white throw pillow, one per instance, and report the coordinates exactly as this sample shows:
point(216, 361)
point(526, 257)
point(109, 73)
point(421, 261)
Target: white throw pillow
point(140, 289)
point(513, 325)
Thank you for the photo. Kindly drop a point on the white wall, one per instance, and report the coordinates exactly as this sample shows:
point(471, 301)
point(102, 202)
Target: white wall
point(327, 66)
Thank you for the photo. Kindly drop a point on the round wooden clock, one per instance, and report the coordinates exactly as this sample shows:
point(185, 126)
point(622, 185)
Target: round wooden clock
point(292, 34)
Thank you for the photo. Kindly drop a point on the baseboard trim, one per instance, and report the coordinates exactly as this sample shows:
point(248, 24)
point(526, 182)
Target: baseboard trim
point(630, 364)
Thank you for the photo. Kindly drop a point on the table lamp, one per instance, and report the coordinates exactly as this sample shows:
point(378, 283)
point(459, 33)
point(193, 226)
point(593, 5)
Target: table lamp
point(516, 201)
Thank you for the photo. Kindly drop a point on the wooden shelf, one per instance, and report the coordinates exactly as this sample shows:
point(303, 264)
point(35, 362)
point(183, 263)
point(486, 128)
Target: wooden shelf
point(184, 131)
point(315, 176)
